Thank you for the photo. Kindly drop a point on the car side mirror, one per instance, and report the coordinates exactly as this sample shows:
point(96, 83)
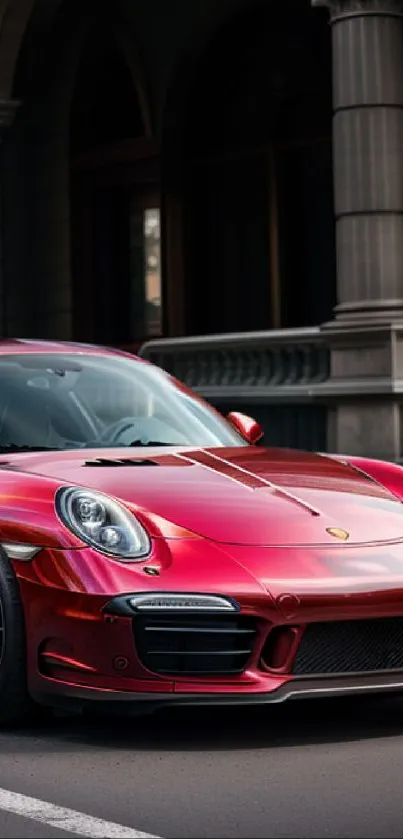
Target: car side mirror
point(246, 426)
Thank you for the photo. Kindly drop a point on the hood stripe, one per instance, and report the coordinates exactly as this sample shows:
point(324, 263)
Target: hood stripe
point(194, 461)
point(250, 481)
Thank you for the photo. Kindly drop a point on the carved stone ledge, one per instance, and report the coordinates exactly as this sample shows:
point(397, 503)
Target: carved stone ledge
point(279, 363)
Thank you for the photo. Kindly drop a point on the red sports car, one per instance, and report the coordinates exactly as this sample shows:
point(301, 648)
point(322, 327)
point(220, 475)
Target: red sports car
point(151, 553)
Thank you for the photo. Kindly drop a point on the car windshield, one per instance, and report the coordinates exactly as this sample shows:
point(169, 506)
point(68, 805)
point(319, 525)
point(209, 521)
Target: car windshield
point(79, 400)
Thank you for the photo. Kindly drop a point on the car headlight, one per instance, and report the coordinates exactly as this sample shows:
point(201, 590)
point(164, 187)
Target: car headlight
point(103, 523)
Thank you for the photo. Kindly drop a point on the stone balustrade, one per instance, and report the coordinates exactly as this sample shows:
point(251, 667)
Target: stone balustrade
point(275, 375)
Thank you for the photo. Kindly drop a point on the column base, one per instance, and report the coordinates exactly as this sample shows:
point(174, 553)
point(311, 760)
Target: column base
point(368, 313)
point(370, 429)
point(364, 391)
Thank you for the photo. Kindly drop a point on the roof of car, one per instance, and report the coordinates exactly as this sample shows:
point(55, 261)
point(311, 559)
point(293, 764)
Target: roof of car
point(11, 346)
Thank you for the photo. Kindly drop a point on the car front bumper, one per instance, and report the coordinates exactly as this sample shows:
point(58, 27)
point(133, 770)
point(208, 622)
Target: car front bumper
point(82, 645)
point(68, 695)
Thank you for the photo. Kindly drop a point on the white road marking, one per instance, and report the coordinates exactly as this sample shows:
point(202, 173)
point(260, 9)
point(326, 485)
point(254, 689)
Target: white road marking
point(63, 818)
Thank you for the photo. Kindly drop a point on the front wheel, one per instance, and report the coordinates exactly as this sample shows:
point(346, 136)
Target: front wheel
point(16, 706)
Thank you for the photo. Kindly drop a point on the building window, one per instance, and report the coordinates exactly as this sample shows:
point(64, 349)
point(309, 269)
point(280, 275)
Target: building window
point(152, 234)
point(145, 271)
point(152, 241)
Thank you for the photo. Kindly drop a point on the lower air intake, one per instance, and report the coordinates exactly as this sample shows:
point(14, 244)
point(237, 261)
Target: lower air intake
point(189, 645)
point(358, 646)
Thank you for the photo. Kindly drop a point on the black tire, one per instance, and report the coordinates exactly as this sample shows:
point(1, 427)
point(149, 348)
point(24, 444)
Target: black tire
point(16, 706)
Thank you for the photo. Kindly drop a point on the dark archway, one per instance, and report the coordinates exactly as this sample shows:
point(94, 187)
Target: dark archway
point(255, 163)
point(115, 198)
point(81, 177)
point(105, 108)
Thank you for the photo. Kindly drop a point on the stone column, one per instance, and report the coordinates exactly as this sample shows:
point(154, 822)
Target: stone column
point(7, 112)
point(364, 393)
point(367, 44)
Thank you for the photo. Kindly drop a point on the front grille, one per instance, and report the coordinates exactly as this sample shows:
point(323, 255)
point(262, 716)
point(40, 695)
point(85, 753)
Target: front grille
point(350, 647)
point(190, 645)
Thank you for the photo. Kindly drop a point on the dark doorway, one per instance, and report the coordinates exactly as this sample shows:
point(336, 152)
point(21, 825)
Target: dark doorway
point(115, 202)
point(259, 230)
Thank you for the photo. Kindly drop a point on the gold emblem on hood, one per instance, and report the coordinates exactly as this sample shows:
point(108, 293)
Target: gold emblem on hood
point(338, 533)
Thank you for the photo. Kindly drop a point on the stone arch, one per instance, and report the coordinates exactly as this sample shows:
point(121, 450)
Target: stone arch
point(46, 44)
point(15, 16)
point(256, 57)
point(132, 57)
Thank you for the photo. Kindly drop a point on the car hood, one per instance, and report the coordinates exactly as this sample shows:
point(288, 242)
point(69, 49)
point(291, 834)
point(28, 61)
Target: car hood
point(241, 496)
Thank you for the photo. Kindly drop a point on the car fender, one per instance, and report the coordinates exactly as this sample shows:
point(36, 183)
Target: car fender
point(28, 514)
point(385, 473)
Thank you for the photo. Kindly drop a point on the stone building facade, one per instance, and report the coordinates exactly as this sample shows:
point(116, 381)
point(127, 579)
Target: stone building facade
point(171, 169)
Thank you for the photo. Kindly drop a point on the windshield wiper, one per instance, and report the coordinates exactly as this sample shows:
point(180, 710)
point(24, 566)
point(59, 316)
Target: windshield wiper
point(14, 449)
point(150, 443)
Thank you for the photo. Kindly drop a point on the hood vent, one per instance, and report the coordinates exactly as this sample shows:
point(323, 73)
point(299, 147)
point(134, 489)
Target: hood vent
point(127, 461)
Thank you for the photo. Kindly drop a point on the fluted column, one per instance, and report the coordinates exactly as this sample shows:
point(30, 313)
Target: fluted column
point(367, 44)
point(7, 113)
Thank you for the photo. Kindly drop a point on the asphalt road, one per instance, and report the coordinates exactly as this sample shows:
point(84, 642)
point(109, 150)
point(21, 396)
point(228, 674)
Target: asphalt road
point(321, 769)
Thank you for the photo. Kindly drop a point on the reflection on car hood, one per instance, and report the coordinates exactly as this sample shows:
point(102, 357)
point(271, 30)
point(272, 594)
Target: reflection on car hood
point(244, 496)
